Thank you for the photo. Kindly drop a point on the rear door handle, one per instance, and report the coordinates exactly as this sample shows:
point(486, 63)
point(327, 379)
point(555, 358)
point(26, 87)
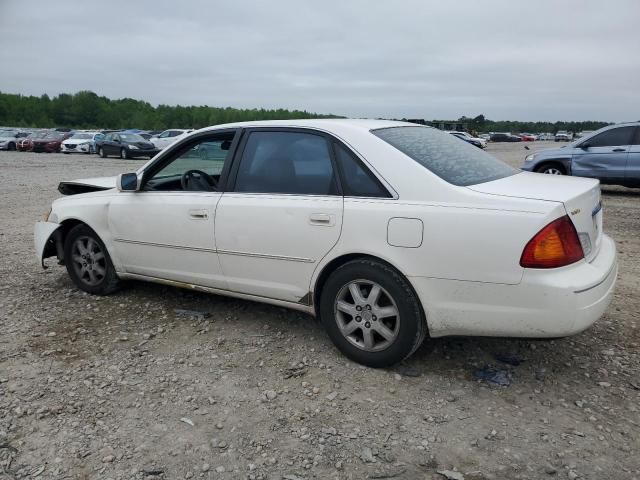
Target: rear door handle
point(619, 149)
point(199, 214)
point(323, 219)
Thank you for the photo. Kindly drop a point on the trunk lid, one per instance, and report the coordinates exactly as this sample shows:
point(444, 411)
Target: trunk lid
point(580, 196)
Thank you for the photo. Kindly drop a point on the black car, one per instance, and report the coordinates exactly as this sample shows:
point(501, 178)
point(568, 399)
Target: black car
point(504, 137)
point(125, 145)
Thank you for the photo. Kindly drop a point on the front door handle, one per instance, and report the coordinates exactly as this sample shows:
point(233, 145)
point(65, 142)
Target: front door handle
point(199, 214)
point(619, 149)
point(323, 219)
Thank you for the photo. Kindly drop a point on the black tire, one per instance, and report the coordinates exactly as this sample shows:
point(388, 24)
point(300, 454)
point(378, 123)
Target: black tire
point(101, 153)
point(123, 154)
point(11, 146)
point(412, 327)
point(109, 281)
point(551, 167)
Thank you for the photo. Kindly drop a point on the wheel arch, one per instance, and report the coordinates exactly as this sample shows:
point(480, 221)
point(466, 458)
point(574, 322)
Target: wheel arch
point(337, 262)
point(66, 225)
point(565, 163)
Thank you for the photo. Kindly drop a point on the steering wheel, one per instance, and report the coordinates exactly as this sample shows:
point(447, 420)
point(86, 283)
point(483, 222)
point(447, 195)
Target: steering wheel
point(197, 181)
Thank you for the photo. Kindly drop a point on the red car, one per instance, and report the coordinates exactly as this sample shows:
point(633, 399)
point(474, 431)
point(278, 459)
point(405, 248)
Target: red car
point(527, 137)
point(50, 142)
point(26, 144)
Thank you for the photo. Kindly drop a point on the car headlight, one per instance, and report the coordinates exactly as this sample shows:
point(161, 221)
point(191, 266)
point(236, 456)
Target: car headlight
point(132, 147)
point(529, 157)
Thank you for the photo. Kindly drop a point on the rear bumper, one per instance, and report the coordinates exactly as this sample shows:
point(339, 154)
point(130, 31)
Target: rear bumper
point(546, 303)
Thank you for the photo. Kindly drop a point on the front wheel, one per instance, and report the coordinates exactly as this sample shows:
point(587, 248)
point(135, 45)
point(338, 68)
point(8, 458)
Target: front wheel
point(371, 313)
point(101, 153)
point(551, 169)
point(124, 154)
point(88, 262)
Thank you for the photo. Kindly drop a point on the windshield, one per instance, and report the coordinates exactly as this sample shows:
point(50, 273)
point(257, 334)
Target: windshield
point(131, 137)
point(8, 133)
point(82, 136)
point(456, 162)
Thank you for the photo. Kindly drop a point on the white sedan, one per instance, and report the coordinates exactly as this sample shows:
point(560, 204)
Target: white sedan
point(81, 142)
point(388, 231)
point(168, 137)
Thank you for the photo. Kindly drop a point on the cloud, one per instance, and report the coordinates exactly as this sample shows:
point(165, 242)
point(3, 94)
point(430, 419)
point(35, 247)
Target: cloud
point(543, 60)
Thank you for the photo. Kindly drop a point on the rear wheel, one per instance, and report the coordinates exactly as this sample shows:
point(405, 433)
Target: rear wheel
point(551, 169)
point(371, 313)
point(88, 262)
point(101, 152)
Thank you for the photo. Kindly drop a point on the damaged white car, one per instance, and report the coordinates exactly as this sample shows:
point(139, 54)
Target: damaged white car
point(387, 231)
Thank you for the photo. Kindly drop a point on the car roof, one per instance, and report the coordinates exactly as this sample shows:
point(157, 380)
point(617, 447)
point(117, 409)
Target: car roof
point(328, 124)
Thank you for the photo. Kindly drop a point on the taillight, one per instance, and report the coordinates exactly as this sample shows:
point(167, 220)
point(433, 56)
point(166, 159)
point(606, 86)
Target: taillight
point(556, 245)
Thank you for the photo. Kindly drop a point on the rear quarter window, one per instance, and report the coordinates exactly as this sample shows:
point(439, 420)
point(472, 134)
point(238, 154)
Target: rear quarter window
point(455, 161)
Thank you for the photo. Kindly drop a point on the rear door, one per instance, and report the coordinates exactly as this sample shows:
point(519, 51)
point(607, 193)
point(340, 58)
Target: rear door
point(632, 172)
point(281, 215)
point(603, 156)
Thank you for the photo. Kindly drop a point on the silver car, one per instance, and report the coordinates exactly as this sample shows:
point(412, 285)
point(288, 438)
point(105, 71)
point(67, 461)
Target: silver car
point(611, 154)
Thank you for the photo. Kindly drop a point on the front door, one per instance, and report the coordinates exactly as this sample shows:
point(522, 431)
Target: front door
point(282, 214)
point(632, 173)
point(603, 156)
point(166, 230)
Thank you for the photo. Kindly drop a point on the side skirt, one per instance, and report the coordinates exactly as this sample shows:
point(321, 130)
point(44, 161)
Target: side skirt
point(218, 291)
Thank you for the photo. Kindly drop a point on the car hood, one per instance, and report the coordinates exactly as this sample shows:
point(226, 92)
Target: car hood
point(77, 141)
point(85, 185)
point(555, 152)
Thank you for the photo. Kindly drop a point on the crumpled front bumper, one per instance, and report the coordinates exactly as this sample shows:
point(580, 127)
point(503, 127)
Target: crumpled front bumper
point(44, 240)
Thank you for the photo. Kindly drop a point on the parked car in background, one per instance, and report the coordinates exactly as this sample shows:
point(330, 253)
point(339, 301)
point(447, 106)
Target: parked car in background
point(546, 137)
point(125, 145)
point(475, 141)
point(583, 133)
point(167, 137)
point(81, 142)
point(25, 144)
point(563, 136)
point(387, 231)
point(9, 138)
point(611, 154)
point(50, 142)
point(485, 136)
point(505, 137)
point(528, 137)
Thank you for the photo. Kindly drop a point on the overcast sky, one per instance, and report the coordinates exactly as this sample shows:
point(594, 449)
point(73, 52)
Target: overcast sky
point(534, 60)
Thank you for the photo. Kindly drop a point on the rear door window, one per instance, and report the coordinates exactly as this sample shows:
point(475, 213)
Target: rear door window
point(286, 162)
point(456, 162)
point(357, 180)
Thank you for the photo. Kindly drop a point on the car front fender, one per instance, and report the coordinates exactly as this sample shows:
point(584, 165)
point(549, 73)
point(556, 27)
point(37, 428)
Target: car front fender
point(44, 240)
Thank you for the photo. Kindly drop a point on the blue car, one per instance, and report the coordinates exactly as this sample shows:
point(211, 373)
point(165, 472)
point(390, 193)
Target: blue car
point(611, 154)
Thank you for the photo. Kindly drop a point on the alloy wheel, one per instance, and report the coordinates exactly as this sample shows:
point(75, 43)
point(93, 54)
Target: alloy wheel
point(367, 315)
point(552, 171)
point(89, 262)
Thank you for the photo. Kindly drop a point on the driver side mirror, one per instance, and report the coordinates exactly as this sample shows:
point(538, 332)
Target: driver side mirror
point(127, 182)
point(584, 145)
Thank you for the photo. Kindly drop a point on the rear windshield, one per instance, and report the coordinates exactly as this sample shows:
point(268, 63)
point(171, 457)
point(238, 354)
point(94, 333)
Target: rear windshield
point(453, 160)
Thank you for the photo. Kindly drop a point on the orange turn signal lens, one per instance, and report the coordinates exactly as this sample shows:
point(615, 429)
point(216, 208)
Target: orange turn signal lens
point(556, 245)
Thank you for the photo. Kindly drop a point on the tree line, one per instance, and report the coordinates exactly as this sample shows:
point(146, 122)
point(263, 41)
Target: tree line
point(482, 124)
point(86, 109)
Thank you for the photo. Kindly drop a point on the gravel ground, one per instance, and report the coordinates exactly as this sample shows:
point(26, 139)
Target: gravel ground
point(130, 387)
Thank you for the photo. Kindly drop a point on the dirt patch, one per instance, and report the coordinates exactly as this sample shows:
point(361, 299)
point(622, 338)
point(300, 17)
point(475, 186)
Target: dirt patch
point(129, 386)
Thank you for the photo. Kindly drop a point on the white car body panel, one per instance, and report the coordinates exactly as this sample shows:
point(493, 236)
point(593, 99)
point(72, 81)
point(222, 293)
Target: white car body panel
point(459, 247)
